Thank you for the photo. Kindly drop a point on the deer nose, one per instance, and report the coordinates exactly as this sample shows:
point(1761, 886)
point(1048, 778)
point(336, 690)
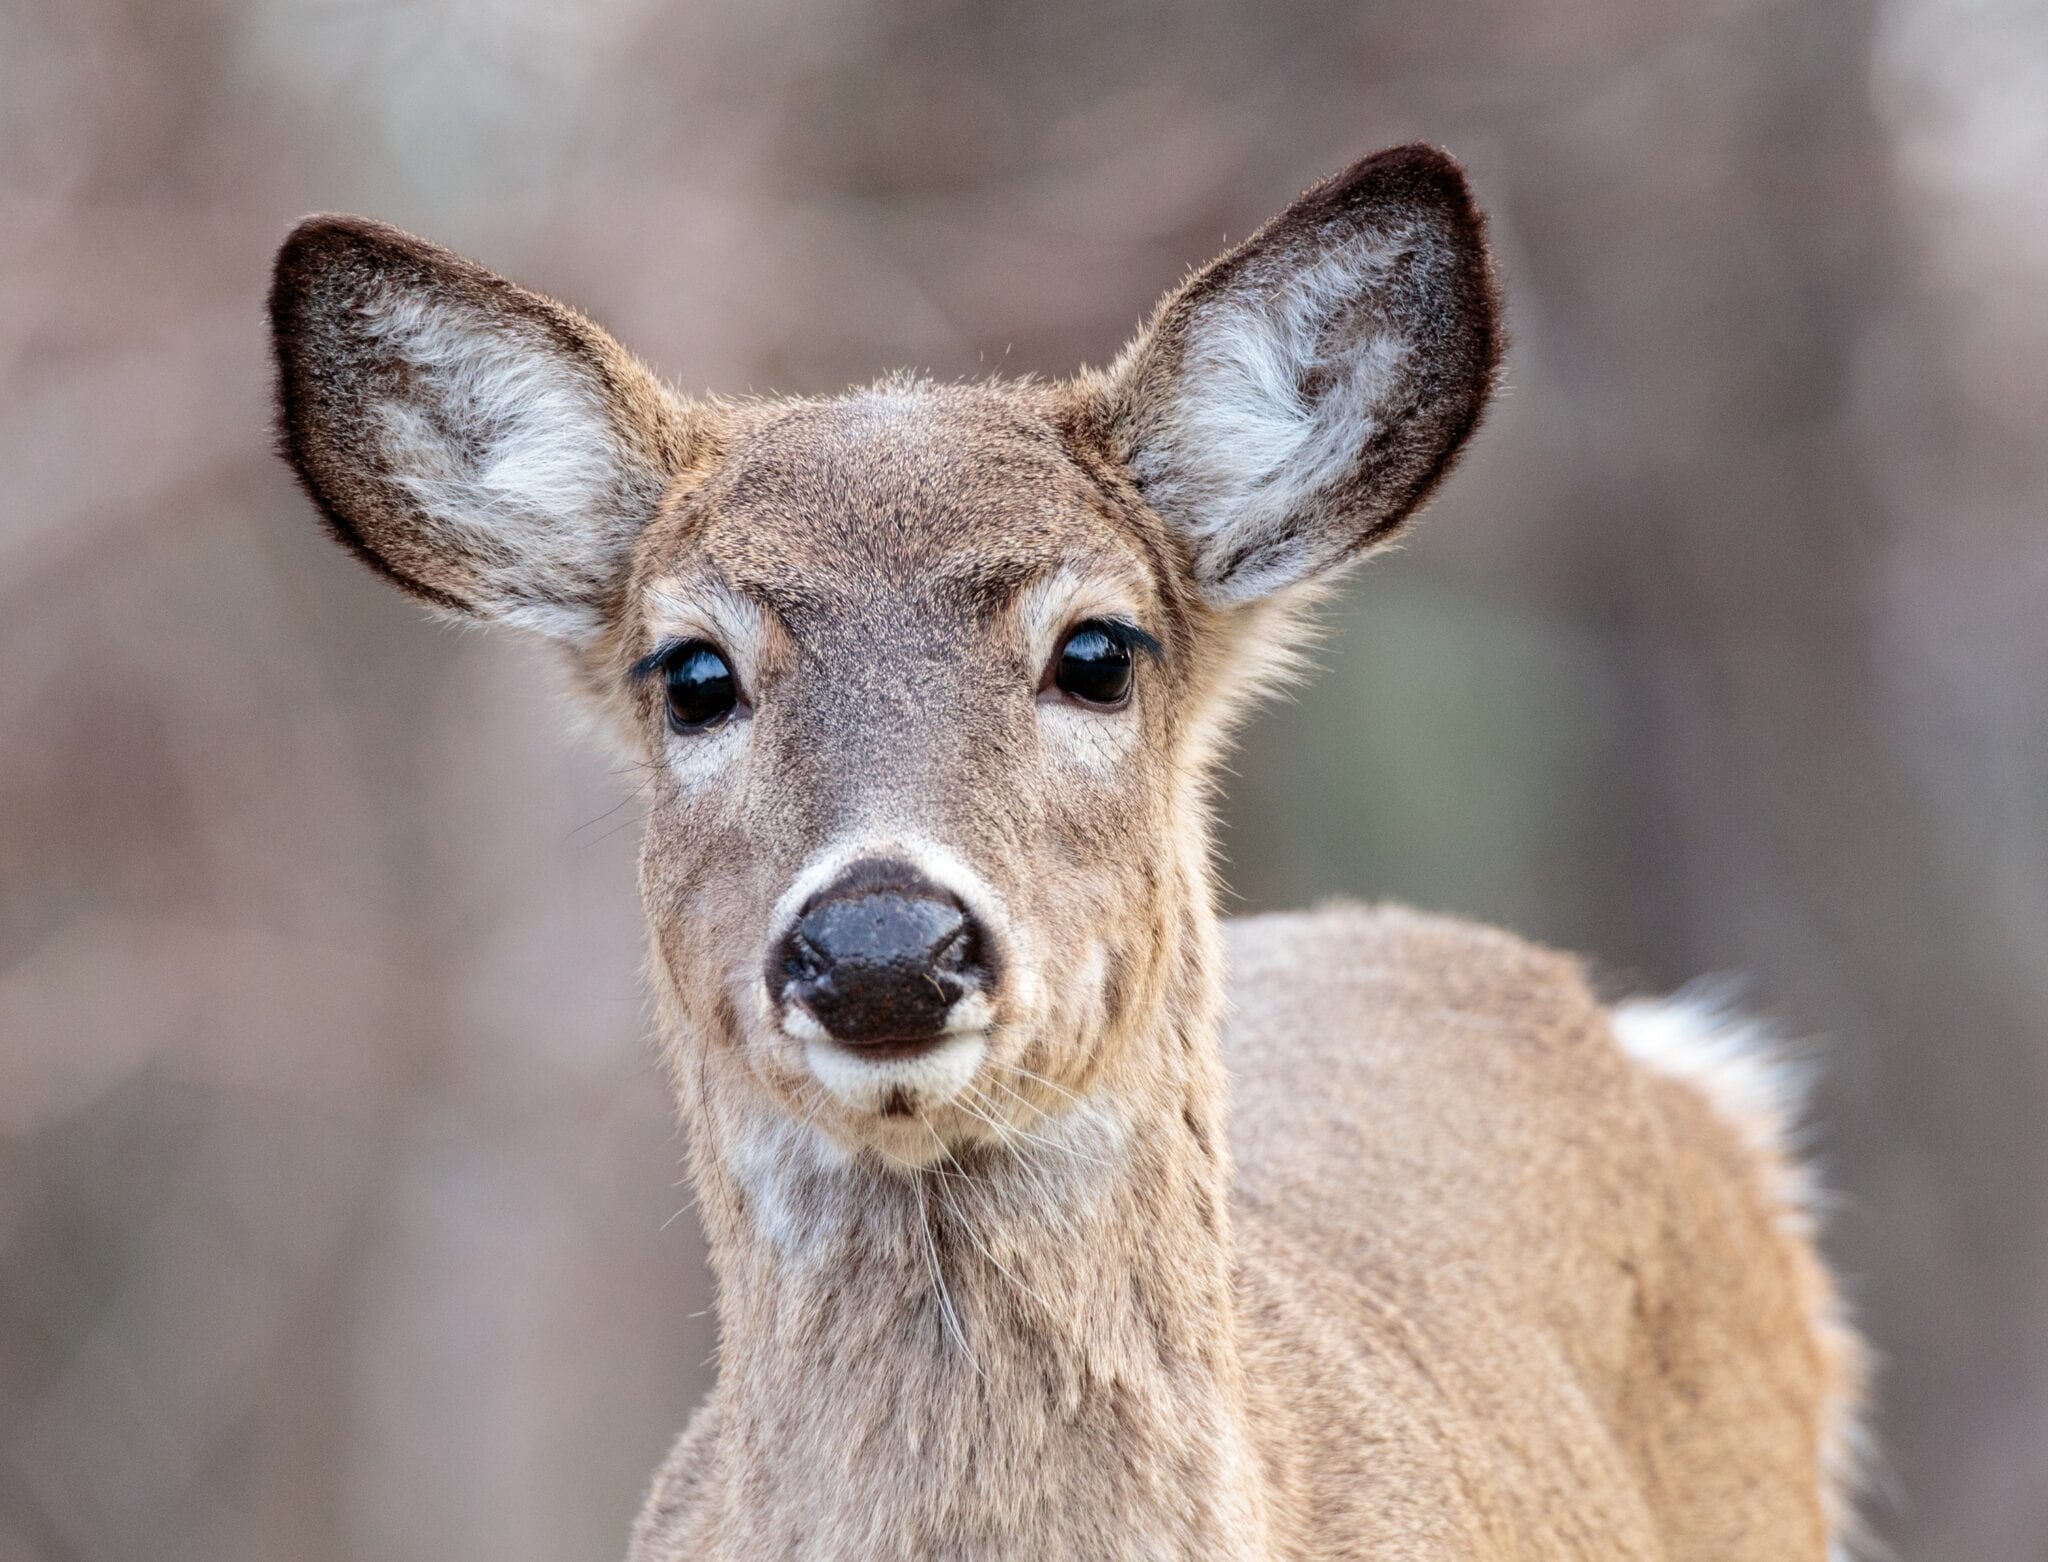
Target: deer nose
point(880, 957)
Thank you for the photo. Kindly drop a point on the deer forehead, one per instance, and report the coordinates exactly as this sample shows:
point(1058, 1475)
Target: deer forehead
point(932, 510)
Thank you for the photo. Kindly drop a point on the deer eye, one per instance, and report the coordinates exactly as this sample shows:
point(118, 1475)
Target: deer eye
point(1093, 664)
point(699, 685)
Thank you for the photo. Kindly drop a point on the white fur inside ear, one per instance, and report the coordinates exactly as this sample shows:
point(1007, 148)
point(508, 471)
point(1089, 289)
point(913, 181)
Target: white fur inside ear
point(505, 446)
point(1278, 392)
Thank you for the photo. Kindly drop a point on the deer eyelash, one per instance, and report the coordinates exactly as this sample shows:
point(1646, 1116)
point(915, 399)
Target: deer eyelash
point(1127, 635)
point(649, 664)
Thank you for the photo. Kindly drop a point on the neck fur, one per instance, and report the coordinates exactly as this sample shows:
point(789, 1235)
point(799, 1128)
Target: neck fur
point(995, 1351)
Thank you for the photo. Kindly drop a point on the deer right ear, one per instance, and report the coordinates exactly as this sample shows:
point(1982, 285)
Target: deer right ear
point(489, 450)
point(1295, 401)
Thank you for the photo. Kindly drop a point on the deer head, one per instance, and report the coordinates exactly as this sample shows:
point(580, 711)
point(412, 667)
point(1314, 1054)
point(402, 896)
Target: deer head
point(928, 679)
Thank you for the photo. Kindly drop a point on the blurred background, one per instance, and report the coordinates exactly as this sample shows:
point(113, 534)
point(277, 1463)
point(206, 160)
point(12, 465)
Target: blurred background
point(339, 1214)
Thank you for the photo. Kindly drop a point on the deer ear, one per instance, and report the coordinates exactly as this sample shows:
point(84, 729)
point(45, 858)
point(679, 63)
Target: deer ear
point(489, 450)
point(1295, 401)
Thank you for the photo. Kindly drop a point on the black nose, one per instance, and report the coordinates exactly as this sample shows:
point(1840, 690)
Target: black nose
point(880, 957)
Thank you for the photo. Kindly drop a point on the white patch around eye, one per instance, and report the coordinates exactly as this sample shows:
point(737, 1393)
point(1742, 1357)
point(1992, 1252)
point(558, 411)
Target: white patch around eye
point(1097, 741)
point(679, 611)
point(1072, 594)
point(696, 759)
point(1049, 609)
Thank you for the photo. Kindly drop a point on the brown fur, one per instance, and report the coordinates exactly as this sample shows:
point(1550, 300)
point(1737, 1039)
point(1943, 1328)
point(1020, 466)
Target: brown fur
point(1454, 1277)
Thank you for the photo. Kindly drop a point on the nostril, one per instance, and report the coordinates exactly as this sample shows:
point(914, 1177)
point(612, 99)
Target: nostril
point(802, 960)
point(954, 952)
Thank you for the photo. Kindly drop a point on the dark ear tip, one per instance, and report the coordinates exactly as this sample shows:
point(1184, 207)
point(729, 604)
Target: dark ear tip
point(329, 241)
point(325, 235)
point(1419, 173)
point(311, 249)
point(1421, 159)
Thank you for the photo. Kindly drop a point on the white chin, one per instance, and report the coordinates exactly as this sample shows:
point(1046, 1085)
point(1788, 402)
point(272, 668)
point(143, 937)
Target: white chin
point(921, 1081)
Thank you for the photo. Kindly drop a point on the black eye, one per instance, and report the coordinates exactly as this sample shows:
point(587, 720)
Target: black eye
point(1094, 665)
point(700, 686)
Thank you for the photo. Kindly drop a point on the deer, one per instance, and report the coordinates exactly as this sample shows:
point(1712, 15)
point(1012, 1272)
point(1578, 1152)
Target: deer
point(1052, 1215)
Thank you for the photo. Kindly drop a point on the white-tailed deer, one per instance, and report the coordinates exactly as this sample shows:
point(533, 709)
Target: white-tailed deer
point(1051, 1218)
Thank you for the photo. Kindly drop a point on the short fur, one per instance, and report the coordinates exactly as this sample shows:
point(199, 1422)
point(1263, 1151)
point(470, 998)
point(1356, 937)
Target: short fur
point(1457, 1275)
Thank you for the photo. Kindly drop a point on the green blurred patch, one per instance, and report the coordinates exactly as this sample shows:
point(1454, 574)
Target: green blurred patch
point(1453, 750)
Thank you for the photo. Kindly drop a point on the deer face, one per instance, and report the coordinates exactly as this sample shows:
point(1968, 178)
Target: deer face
point(910, 850)
point(926, 680)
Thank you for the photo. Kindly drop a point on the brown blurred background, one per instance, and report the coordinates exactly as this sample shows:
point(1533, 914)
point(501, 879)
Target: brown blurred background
point(335, 1177)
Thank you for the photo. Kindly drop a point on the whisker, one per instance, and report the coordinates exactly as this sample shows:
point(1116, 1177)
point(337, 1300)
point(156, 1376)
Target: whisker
point(972, 1236)
point(1024, 1073)
point(1050, 1144)
point(634, 796)
point(946, 1311)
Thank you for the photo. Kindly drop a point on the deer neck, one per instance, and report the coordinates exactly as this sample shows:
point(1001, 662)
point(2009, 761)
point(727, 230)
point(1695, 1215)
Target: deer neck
point(1034, 1342)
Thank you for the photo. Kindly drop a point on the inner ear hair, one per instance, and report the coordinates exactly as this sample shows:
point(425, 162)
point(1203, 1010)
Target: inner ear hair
point(486, 448)
point(1295, 401)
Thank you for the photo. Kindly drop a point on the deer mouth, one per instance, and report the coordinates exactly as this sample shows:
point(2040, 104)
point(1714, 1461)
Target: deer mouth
point(897, 1082)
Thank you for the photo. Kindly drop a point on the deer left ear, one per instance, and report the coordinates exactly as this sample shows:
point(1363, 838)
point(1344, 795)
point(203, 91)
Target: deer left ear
point(488, 450)
point(1295, 401)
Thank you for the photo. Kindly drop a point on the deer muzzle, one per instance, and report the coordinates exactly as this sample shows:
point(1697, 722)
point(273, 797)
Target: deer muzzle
point(881, 959)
